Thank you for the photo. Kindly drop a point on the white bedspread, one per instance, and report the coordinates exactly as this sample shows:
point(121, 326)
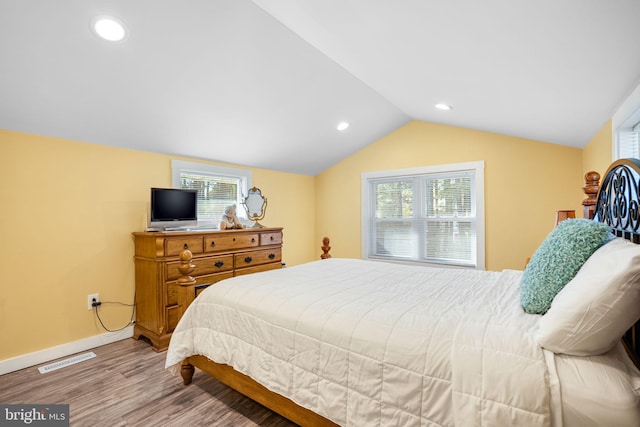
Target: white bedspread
point(370, 344)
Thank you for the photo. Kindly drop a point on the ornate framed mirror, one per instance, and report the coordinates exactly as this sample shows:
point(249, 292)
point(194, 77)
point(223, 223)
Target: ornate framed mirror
point(256, 206)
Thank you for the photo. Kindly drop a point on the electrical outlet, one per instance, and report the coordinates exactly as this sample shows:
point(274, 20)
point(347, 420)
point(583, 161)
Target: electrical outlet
point(90, 299)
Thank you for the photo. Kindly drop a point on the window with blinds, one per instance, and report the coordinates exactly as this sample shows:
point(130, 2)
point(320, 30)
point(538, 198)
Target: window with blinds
point(214, 192)
point(626, 127)
point(218, 187)
point(426, 215)
point(628, 142)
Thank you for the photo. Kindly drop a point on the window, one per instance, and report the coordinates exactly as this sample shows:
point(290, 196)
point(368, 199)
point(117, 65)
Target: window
point(628, 141)
point(432, 215)
point(626, 128)
point(218, 187)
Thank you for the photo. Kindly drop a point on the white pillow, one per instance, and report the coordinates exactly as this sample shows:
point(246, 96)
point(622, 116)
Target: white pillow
point(592, 312)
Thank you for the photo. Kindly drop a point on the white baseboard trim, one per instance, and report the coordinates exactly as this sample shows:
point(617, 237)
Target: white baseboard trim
point(64, 350)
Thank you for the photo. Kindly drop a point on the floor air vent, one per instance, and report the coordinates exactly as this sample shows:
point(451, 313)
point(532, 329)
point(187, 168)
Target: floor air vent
point(66, 362)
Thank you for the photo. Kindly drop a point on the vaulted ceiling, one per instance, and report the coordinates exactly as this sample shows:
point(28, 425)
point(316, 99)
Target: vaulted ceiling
point(264, 83)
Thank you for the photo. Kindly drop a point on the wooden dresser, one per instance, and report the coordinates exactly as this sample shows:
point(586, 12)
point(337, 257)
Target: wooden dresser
point(217, 255)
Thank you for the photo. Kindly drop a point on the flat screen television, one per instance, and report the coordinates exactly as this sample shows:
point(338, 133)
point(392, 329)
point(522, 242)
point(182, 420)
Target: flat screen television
point(173, 208)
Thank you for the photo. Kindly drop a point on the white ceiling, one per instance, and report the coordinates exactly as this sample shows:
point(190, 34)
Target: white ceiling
point(264, 83)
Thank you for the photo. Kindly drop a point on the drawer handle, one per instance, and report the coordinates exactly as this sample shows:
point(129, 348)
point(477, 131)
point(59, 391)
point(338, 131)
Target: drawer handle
point(213, 243)
point(186, 246)
point(272, 256)
point(271, 238)
point(234, 239)
point(253, 239)
point(248, 259)
point(219, 264)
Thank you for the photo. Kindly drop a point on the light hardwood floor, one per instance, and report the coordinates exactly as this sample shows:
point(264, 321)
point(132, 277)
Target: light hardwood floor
point(127, 385)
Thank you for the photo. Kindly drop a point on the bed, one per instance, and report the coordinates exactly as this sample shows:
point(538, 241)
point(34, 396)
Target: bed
point(354, 342)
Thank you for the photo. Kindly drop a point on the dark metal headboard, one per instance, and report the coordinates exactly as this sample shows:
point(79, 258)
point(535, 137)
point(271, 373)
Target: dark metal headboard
point(618, 205)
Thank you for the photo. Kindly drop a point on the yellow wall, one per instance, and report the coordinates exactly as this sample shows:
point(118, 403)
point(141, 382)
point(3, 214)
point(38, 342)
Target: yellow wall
point(68, 212)
point(69, 209)
point(525, 183)
point(598, 154)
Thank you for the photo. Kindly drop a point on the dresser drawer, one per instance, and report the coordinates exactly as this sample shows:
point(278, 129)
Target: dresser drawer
point(203, 266)
point(174, 245)
point(173, 314)
point(270, 238)
point(247, 259)
point(209, 279)
point(258, 268)
point(206, 281)
point(230, 242)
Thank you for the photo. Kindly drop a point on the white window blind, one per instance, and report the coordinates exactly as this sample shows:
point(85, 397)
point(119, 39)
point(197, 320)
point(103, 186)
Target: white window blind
point(629, 142)
point(626, 127)
point(218, 187)
point(426, 215)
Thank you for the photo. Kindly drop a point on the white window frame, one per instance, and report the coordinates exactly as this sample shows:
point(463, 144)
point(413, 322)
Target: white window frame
point(366, 206)
point(626, 127)
point(244, 175)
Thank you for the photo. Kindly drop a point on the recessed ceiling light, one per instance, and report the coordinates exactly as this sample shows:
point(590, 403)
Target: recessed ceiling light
point(444, 107)
point(342, 125)
point(109, 28)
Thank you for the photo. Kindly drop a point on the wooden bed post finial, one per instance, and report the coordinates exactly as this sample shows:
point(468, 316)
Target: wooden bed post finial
point(325, 248)
point(592, 185)
point(186, 268)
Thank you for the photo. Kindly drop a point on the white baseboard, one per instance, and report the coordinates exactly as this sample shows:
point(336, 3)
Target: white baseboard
point(64, 350)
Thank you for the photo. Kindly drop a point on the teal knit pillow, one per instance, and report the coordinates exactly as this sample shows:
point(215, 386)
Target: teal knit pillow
point(557, 260)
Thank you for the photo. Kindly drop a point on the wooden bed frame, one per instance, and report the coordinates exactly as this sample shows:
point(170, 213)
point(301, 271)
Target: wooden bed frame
point(237, 380)
point(617, 204)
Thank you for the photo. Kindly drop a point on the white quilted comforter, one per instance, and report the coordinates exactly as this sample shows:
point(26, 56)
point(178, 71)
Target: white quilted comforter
point(370, 344)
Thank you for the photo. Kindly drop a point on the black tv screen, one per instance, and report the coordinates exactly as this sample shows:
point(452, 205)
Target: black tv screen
point(173, 205)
